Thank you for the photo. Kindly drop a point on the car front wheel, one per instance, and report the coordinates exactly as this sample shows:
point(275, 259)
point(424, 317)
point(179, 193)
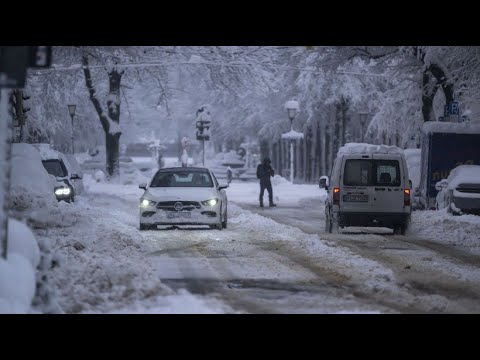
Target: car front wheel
point(225, 220)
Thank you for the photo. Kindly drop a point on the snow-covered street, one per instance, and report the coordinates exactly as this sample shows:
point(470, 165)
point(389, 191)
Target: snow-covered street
point(239, 179)
point(268, 260)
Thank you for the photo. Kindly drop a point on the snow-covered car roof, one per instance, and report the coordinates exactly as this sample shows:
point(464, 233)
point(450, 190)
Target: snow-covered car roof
point(362, 148)
point(464, 174)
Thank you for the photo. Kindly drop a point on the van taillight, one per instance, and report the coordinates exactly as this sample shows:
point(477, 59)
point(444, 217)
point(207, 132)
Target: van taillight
point(406, 197)
point(336, 196)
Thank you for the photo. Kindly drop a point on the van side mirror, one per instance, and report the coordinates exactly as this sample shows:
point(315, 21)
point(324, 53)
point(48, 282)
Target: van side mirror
point(324, 182)
point(143, 186)
point(410, 184)
point(75, 177)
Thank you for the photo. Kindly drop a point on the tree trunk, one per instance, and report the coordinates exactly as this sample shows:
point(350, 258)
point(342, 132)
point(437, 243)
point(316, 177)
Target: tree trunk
point(112, 143)
point(442, 80)
point(308, 155)
point(110, 121)
point(264, 149)
point(113, 137)
point(344, 121)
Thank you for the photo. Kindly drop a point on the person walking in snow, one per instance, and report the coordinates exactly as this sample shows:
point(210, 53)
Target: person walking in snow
point(264, 173)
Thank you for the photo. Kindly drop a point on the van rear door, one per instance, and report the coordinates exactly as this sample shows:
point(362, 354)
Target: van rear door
point(356, 194)
point(388, 181)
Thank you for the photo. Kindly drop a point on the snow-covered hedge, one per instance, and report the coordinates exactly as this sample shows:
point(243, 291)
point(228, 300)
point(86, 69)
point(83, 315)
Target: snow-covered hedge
point(17, 273)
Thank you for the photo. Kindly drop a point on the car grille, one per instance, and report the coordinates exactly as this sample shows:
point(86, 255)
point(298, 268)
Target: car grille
point(170, 205)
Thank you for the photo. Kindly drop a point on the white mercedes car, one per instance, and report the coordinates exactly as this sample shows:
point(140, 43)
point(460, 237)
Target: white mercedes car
point(183, 196)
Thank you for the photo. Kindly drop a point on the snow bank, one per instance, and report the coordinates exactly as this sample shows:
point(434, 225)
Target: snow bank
point(362, 148)
point(31, 186)
point(23, 242)
point(449, 127)
point(17, 273)
point(17, 284)
point(463, 174)
point(284, 193)
point(442, 227)
point(279, 180)
point(413, 158)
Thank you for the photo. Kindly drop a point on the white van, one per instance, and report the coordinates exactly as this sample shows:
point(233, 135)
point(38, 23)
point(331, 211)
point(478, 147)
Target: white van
point(369, 187)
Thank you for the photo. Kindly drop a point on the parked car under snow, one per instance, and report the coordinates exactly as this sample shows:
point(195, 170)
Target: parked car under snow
point(57, 165)
point(460, 192)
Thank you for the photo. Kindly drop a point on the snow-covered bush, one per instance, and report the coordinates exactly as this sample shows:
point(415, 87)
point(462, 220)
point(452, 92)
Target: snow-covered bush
point(413, 158)
point(99, 176)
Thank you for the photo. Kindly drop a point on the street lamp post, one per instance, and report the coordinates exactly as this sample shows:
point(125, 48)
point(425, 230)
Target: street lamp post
point(71, 110)
point(363, 117)
point(292, 109)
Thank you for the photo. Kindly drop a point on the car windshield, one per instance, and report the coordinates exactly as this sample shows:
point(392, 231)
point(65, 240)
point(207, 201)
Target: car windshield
point(372, 173)
point(55, 168)
point(182, 178)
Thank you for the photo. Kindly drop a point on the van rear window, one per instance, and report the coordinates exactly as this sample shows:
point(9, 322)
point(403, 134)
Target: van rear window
point(359, 172)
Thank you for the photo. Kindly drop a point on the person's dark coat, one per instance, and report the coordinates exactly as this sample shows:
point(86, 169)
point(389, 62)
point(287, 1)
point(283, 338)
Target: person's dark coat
point(265, 171)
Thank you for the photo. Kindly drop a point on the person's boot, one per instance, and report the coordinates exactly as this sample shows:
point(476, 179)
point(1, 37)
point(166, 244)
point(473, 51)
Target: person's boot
point(261, 203)
point(272, 204)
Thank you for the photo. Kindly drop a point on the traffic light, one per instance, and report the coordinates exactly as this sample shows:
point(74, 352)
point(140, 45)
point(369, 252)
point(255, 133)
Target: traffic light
point(203, 130)
point(203, 124)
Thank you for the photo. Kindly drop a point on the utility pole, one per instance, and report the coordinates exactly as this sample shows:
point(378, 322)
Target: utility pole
point(5, 155)
point(14, 61)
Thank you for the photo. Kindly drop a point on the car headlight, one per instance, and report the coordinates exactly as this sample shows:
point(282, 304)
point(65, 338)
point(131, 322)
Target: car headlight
point(211, 202)
point(62, 191)
point(145, 203)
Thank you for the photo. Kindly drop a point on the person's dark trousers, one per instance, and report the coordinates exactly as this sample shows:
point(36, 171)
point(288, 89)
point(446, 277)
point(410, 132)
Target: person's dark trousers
point(266, 185)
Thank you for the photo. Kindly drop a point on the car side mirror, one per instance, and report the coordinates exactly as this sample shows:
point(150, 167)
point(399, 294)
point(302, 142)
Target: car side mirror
point(143, 186)
point(223, 186)
point(410, 184)
point(324, 182)
point(75, 177)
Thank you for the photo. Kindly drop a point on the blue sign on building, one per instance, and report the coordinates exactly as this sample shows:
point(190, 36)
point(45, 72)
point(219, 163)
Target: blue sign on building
point(454, 109)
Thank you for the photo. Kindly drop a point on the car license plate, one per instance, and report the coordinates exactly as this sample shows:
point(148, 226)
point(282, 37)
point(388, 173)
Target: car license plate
point(179, 215)
point(355, 198)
